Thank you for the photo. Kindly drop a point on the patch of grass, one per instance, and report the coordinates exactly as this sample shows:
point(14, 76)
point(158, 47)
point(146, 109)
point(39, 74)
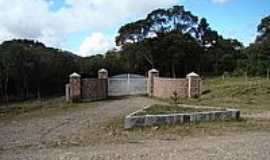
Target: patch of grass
point(248, 96)
point(42, 107)
point(158, 109)
point(113, 131)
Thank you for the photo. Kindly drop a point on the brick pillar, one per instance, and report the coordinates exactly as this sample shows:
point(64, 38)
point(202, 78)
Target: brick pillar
point(75, 87)
point(150, 82)
point(194, 82)
point(103, 74)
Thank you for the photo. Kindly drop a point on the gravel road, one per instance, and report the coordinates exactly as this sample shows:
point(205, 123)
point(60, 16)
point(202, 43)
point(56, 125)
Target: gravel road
point(27, 138)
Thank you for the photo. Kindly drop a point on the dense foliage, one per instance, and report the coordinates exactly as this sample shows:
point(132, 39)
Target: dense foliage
point(172, 40)
point(177, 42)
point(256, 57)
point(29, 69)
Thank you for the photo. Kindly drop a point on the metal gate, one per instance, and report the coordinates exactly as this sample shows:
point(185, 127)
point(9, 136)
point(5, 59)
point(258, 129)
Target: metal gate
point(127, 84)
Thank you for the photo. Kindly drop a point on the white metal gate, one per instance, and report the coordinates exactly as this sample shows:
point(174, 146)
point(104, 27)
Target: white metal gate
point(127, 84)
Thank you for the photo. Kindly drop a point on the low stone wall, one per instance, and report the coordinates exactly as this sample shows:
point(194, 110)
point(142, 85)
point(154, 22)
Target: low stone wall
point(165, 87)
point(132, 120)
point(94, 89)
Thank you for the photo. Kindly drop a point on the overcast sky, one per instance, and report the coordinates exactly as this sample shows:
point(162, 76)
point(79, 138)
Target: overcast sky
point(88, 27)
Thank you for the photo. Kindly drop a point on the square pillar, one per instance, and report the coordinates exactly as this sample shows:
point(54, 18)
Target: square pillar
point(194, 85)
point(103, 75)
point(150, 82)
point(75, 87)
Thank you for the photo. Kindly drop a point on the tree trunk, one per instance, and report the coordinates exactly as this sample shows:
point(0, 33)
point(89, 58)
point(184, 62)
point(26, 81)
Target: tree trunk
point(6, 89)
point(173, 71)
point(38, 92)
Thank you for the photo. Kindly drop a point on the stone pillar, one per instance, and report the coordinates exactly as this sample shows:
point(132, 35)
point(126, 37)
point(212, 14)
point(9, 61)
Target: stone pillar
point(103, 74)
point(150, 82)
point(75, 87)
point(194, 82)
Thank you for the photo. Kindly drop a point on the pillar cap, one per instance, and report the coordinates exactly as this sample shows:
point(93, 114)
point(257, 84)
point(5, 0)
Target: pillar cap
point(74, 75)
point(153, 70)
point(102, 70)
point(193, 74)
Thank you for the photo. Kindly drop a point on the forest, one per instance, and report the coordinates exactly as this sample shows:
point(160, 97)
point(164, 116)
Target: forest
point(172, 40)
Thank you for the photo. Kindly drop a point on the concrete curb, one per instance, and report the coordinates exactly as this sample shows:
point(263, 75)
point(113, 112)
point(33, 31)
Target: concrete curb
point(133, 120)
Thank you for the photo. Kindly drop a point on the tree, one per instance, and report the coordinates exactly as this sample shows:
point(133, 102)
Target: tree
point(158, 21)
point(30, 69)
point(256, 57)
point(264, 30)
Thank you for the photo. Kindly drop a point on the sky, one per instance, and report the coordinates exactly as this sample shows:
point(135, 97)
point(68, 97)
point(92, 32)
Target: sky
point(88, 27)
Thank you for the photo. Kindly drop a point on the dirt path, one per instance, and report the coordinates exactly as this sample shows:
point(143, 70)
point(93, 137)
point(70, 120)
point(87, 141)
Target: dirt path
point(247, 146)
point(35, 132)
point(28, 138)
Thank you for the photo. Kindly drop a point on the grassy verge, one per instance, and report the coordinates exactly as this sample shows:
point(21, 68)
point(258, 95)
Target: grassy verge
point(42, 107)
point(113, 131)
point(248, 96)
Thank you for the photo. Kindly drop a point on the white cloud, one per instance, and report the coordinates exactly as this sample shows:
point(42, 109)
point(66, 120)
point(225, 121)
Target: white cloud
point(33, 19)
point(221, 1)
point(95, 44)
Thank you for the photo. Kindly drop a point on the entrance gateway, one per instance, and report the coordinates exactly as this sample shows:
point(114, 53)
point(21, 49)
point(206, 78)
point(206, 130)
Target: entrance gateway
point(127, 84)
point(88, 89)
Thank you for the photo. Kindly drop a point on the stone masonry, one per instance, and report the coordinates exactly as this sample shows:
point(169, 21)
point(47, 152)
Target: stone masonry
point(134, 120)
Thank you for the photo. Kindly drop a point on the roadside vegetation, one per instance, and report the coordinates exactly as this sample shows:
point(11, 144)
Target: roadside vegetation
point(43, 107)
point(250, 95)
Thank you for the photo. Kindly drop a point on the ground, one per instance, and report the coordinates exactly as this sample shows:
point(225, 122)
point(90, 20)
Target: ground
point(58, 130)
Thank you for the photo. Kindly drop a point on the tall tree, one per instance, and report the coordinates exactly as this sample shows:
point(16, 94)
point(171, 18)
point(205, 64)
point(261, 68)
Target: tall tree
point(158, 21)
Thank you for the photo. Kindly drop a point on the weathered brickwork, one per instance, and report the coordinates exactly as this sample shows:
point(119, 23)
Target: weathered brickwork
point(94, 89)
point(165, 87)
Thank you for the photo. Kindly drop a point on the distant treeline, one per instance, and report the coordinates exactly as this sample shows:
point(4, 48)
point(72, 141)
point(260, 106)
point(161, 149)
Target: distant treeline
point(173, 40)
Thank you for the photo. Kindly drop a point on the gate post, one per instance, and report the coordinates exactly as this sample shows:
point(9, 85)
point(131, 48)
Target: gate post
point(103, 75)
point(150, 82)
point(194, 85)
point(75, 87)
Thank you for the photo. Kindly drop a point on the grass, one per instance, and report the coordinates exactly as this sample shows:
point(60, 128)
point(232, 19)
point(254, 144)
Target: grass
point(248, 96)
point(42, 107)
point(158, 109)
point(113, 131)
